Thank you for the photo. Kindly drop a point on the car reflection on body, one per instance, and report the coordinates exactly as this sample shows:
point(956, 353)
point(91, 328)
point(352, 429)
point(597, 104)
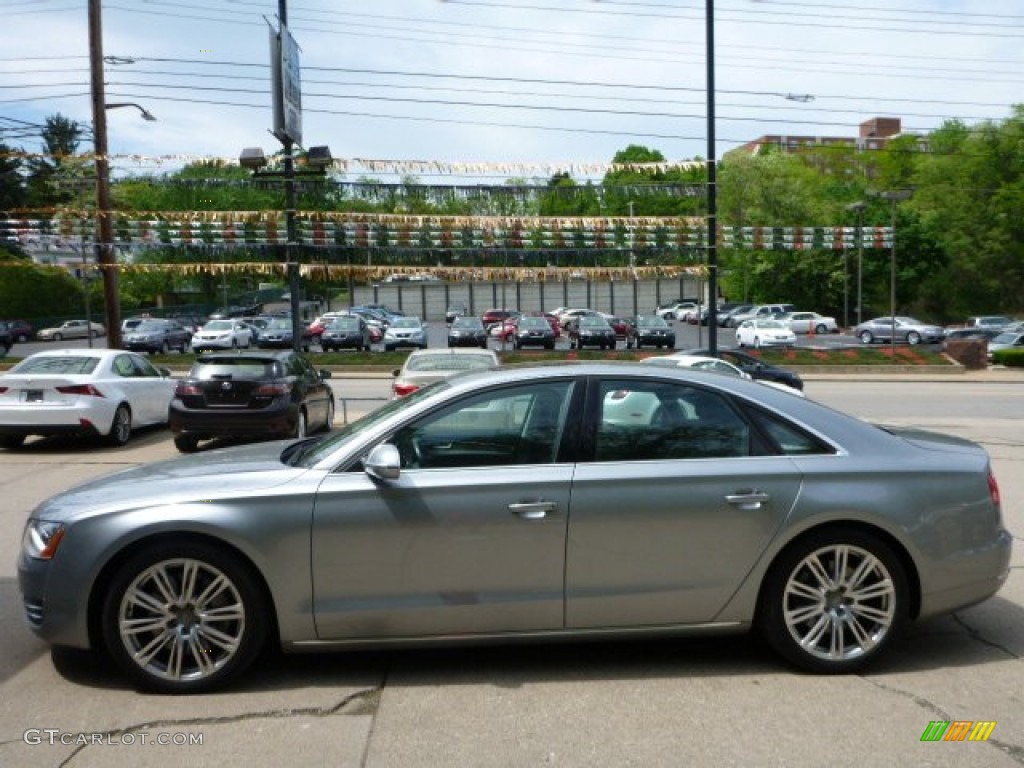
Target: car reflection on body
point(755, 366)
point(105, 392)
point(723, 505)
point(425, 366)
point(715, 365)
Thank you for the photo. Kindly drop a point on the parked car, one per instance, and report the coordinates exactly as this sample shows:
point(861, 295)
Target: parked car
point(131, 323)
point(1009, 340)
point(808, 322)
point(724, 505)
point(72, 329)
point(619, 324)
point(235, 310)
point(532, 331)
point(6, 339)
point(678, 311)
point(969, 334)
point(764, 333)
point(21, 330)
point(157, 335)
point(280, 334)
point(105, 392)
point(345, 332)
point(493, 316)
point(650, 331)
point(714, 365)
point(258, 394)
point(223, 334)
point(725, 319)
point(503, 329)
point(467, 331)
point(407, 331)
point(721, 310)
point(755, 366)
point(997, 322)
point(590, 331)
point(458, 309)
point(425, 366)
point(903, 328)
point(758, 312)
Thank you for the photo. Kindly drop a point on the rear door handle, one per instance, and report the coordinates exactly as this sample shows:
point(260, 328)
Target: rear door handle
point(748, 499)
point(533, 510)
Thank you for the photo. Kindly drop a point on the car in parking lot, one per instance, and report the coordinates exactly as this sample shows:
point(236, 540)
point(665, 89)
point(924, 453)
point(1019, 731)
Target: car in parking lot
point(251, 394)
point(467, 331)
point(72, 329)
point(405, 331)
point(105, 392)
point(232, 333)
point(345, 332)
point(1008, 340)
point(532, 331)
point(157, 335)
point(590, 331)
point(21, 331)
point(425, 366)
point(650, 331)
point(808, 322)
point(6, 339)
point(714, 365)
point(279, 334)
point(900, 328)
point(715, 505)
point(458, 309)
point(759, 333)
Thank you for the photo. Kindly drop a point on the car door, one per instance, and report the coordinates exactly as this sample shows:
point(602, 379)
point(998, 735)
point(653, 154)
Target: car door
point(153, 392)
point(672, 509)
point(469, 539)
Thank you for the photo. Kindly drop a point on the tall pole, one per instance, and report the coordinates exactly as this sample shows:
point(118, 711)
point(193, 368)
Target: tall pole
point(860, 264)
point(104, 223)
point(709, 23)
point(892, 283)
point(290, 246)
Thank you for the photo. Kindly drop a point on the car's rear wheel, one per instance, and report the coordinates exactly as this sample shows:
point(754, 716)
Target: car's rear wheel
point(121, 427)
point(186, 443)
point(834, 600)
point(300, 428)
point(866, 337)
point(164, 348)
point(821, 328)
point(183, 617)
point(58, 337)
point(11, 442)
point(329, 423)
point(913, 337)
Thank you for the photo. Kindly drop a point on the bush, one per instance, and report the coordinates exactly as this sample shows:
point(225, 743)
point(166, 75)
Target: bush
point(1011, 358)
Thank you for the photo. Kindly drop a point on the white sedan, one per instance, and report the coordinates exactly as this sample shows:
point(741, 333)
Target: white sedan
point(222, 334)
point(105, 392)
point(764, 333)
point(808, 322)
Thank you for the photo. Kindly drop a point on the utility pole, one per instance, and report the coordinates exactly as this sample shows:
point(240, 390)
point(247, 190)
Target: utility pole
point(709, 23)
point(104, 223)
point(291, 259)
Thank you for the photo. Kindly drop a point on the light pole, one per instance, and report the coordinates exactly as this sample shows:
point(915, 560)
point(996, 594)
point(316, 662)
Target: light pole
point(894, 196)
point(709, 25)
point(857, 207)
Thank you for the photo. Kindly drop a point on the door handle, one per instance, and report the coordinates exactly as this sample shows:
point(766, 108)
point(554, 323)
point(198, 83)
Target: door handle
point(749, 500)
point(533, 510)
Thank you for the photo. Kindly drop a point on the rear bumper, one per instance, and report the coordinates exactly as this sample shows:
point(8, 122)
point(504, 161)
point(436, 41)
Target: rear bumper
point(277, 419)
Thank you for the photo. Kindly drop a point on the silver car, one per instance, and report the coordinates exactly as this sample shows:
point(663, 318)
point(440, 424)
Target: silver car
point(899, 329)
point(593, 500)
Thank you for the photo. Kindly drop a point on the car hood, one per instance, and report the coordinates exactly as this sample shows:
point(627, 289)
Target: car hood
point(244, 469)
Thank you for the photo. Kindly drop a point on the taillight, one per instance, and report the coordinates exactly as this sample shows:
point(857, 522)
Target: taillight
point(2, 390)
point(274, 388)
point(402, 389)
point(993, 489)
point(187, 388)
point(80, 389)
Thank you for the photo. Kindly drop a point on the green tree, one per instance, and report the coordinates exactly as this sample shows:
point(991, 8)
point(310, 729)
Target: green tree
point(57, 176)
point(12, 183)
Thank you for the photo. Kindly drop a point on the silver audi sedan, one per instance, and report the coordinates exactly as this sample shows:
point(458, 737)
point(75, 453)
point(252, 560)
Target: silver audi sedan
point(597, 500)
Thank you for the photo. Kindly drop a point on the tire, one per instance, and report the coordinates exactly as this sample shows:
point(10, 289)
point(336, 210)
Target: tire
point(21, 338)
point(300, 430)
point(805, 614)
point(757, 342)
point(549, 345)
point(234, 343)
point(212, 628)
point(866, 337)
point(58, 337)
point(11, 442)
point(914, 338)
point(164, 348)
point(93, 334)
point(121, 426)
point(329, 423)
point(186, 443)
point(820, 329)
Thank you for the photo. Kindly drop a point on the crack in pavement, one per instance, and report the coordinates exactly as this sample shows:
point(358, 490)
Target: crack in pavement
point(1014, 751)
point(975, 634)
point(363, 702)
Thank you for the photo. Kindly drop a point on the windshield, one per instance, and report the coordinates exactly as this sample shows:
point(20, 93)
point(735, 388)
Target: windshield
point(150, 325)
point(344, 324)
point(471, 323)
point(405, 322)
point(218, 325)
point(533, 322)
point(652, 321)
point(589, 321)
point(770, 324)
point(279, 324)
point(316, 451)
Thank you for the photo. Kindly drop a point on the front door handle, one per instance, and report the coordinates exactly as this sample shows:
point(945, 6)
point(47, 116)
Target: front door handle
point(749, 500)
point(533, 510)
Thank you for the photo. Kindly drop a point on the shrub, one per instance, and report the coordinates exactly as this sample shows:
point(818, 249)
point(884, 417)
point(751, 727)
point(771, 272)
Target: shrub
point(1011, 358)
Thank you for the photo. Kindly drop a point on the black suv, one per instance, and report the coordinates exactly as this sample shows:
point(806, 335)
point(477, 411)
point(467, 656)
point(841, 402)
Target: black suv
point(250, 394)
point(157, 335)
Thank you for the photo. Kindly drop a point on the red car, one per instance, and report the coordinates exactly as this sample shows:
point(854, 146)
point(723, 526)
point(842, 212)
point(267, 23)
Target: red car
point(492, 316)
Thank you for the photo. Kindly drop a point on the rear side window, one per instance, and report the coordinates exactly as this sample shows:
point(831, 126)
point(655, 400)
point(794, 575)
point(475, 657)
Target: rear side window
point(788, 438)
point(239, 368)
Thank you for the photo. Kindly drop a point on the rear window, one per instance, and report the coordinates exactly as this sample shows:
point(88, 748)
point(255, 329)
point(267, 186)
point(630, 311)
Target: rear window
point(57, 365)
point(449, 362)
point(238, 368)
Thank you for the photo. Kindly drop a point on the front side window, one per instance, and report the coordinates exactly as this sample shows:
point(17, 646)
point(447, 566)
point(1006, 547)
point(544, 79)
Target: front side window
point(512, 425)
point(657, 420)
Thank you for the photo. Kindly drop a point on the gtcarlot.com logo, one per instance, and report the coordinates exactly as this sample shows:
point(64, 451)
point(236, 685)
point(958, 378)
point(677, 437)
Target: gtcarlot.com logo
point(958, 730)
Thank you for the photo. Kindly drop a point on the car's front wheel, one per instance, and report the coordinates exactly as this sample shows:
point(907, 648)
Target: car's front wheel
point(186, 443)
point(834, 600)
point(913, 337)
point(183, 617)
point(300, 430)
point(866, 337)
point(58, 337)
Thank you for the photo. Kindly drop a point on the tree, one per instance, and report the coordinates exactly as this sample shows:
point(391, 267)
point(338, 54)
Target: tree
point(12, 182)
point(58, 177)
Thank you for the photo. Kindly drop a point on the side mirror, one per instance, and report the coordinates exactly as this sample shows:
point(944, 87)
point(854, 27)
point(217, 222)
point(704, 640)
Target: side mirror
point(396, 372)
point(383, 462)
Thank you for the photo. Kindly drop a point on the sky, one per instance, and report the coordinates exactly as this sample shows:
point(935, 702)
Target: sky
point(492, 89)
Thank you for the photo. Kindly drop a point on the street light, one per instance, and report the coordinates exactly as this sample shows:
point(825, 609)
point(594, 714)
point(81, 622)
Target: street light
point(858, 207)
point(894, 196)
point(709, 36)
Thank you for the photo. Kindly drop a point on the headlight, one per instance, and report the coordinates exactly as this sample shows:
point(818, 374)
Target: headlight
point(41, 539)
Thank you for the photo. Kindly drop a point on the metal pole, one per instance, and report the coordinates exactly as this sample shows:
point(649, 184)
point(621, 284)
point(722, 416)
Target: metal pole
point(289, 213)
point(104, 223)
point(860, 265)
point(709, 23)
point(892, 284)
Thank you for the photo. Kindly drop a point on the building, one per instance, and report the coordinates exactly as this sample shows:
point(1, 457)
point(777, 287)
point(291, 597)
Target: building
point(874, 134)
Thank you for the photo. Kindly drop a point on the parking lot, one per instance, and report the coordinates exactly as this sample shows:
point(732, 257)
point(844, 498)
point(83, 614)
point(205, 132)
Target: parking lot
point(652, 703)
